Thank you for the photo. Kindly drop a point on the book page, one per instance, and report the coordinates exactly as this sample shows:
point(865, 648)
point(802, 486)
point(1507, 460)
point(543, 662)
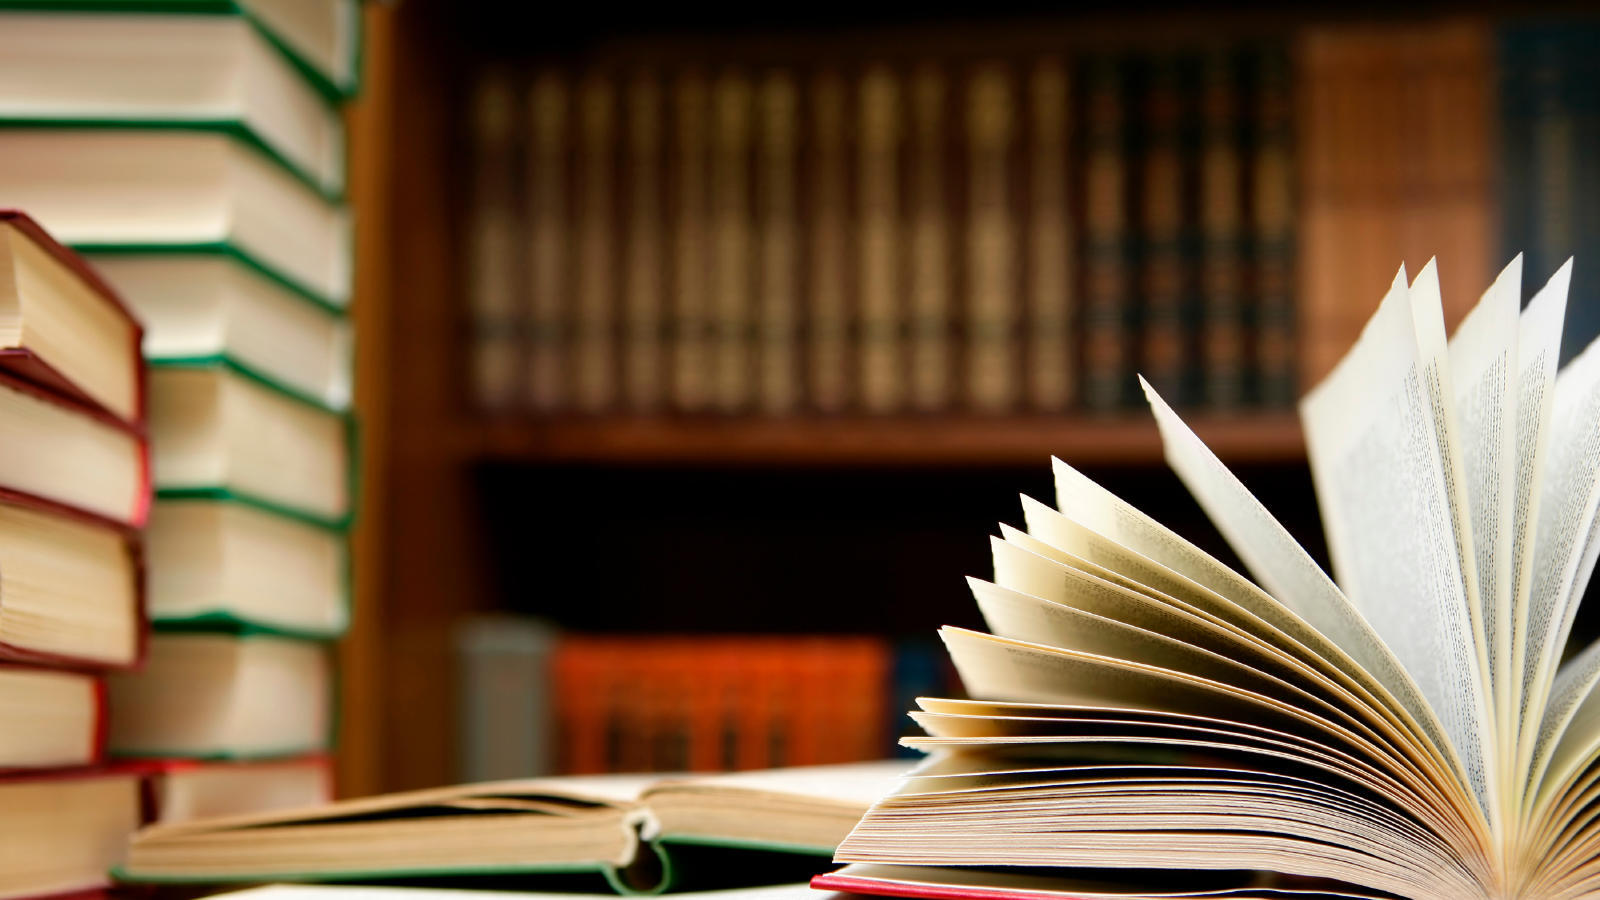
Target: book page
point(1538, 351)
point(1565, 546)
point(1483, 368)
point(1384, 486)
point(1573, 689)
point(854, 784)
point(1104, 529)
point(1294, 578)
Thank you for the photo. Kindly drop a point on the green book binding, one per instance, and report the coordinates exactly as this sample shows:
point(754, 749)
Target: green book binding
point(334, 70)
point(255, 498)
point(643, 834)
point(303, 561)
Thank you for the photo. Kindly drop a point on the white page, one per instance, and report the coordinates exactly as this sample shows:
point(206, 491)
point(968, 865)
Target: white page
point(1483, 367)
point(1573, 687)
point(1563, 551)
point(1538, 351)
point(1383, 486)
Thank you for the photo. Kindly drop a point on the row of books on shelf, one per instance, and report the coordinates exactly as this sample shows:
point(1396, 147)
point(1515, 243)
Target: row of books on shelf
point(536, 700)
point(172, 538)
point(872, 235)
point(1009, 233)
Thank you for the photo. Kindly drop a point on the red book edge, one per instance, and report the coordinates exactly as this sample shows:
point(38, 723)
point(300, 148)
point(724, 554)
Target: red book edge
point(150, 768)
point(857, 884)
point(141, 506)
point(131, 539)
point(98, 737)
point(25, 364)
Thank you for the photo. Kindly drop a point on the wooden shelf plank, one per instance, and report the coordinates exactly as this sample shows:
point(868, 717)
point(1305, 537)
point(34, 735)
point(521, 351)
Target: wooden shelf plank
point(871, 441)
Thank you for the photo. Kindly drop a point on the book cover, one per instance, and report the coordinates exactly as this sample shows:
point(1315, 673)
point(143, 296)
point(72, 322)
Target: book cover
point(593, 354)
point(493, 228)
point(1165, 190)
point(548, 176)
point(732, 321)
point(878, 166)
point(689, 186)
point(644, 342)
point(827, 149)
point(993, 369)
point(24, 363)
point(1050, 263)
point(777, 181)
point(931, 228)
point(1272, 215)
point(1224, 325)
point(1108, 295)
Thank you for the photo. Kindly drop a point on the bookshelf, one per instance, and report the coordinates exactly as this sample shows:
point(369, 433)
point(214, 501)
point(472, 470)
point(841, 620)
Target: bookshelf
point(882, 441)
point(467, 511)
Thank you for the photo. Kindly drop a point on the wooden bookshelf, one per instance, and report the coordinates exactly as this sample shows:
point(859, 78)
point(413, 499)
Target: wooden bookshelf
point(911, 441)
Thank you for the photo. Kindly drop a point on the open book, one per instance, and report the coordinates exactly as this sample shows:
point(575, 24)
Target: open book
point(1146, 720)
point(635, 830)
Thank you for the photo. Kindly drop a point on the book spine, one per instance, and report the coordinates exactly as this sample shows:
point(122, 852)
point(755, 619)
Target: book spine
point(778, 382)
point(878, 157)
point(690, 282)
point(930, 242)
point(1050, 261)
point(493, 226)
point(993, 375)
point(594, 334)
point(1107, 292)
point(644, 339)
point(1272, 205)
point(1223, 329)
point(1163, 336)
point(828, 239)
point(548, 228)
point(732, 322)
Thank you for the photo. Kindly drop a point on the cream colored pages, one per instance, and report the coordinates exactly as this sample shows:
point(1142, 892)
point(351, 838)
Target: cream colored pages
point(1384, 487)
point(1565, 545)
point(1538, 350)
point(366, 892)
point(855, 784)
point(1483, 369)
point(1294, 578)
point(1104, 529)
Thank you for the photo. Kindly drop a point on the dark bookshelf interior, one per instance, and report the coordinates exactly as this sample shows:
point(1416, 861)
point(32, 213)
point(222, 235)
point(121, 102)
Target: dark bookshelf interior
point(669, 523)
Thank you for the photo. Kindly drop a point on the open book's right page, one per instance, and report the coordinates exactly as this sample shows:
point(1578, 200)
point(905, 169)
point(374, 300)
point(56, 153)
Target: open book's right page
point(1384, 485)
point(1483, 374)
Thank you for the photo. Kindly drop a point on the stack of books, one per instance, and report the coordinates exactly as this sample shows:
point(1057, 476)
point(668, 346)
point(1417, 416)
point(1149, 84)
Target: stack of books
point(857, 233)
point(74, 496)
point(200, 169)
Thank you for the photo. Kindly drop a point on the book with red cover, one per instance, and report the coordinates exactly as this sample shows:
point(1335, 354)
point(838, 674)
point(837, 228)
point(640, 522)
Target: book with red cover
point(65, 829)
point(182, 790)
point(25, 364)
point(128, 512)
point(25, 759)
point(15, 652)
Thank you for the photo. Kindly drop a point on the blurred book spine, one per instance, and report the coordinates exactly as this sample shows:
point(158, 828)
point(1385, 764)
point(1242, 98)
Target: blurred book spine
point(1108, 290)
point(866, 235)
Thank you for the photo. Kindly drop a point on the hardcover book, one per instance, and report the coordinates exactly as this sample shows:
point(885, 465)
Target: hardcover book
point(1143, 719)
point(65, 329)
point(630, 828)
point(64, 830)
point(168, 71)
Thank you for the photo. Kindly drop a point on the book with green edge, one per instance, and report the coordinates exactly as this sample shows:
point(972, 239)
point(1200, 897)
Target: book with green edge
point(225, 695)
point(222, 565)
point(643, 833)
point(88, 186)
point(212, 73)
point(328, 53)
point(318, 442)
point(208, 307)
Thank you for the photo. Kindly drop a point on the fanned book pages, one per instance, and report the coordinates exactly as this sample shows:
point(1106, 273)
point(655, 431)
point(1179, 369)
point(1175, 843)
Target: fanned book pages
point(1146, 721)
